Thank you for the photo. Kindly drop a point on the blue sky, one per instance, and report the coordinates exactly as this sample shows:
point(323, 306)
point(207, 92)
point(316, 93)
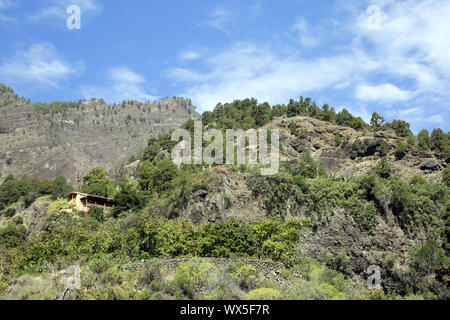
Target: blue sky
point(392, 57)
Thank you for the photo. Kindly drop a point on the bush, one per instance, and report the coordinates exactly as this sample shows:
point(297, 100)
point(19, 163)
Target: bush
point(97, 214)
point(58, 205)
point(301, 134)
point(282, 192)
point(446, 176)
point(383, 169)
point(33, 288)
point(308, 167)
point(192, 275)
point(30, 198)
point(10, 212)
point(246, 276)
point(128, 198)
point(12, 236)
point(293, 128)
point(263, 294)
point(97, 182)
point(383, 149)
point(227, 240)
point(401, 151)
point(337, 140)
point(157, 178)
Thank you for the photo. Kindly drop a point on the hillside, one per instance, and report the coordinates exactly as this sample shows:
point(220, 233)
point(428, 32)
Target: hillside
point(69, 139)
point(348, 195)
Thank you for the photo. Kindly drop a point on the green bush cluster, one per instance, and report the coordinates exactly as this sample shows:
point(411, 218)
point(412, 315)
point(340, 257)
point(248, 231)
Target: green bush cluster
point(28, 189)
point(97, 182)
point(72, 238)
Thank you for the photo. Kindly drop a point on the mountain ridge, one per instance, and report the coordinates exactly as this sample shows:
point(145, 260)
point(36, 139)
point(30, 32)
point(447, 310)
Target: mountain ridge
point(70, 138)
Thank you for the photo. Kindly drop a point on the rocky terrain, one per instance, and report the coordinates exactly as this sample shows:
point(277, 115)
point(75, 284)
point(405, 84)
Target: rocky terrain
point(229, 194)
point(358, 153)
point(73, 140)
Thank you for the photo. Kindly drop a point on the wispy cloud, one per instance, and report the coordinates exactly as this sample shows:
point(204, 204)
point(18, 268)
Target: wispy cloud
point(305, 35)
point(41, 63)
point(405, 61)
point(190, 55)
point(57, 9)
point(250, 70)
point(124, 84)
point(221, 19)
point(386, 92)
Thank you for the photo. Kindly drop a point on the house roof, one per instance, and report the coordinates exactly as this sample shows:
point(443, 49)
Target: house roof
point(91, 196)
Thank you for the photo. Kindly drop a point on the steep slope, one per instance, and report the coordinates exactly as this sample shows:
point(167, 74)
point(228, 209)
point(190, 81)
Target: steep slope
point(339, 232)
point(54, 139)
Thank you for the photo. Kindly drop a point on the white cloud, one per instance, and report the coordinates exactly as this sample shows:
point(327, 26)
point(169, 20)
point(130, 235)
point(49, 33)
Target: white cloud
point(190, 55)
point(57, 8)
point(124, 84)
point(386, 92)
point(405, 61)
point(221, 19)
point(305, 36)
point(40, 63)
point(249, 70)
point(413, 41)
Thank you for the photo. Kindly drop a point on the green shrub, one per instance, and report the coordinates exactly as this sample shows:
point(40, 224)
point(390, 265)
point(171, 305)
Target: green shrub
point(293, 128)
point(192, 275)
point(128, 198)
point(282, 192)
point(30, 198)
point(159, 177)
point(338, 140)
point(3, 287)
point(97, 182)
point(263, 294)
point(58, 205)
point(12, 236)
point(33, 288)
point(383, 149)
point(246, 276)
point(308, 167)
point(446, 176)
point(383, 169)
point(227, 240)
point(301, 134)
point(10, 212)
point(97, 214)
point(401, 151)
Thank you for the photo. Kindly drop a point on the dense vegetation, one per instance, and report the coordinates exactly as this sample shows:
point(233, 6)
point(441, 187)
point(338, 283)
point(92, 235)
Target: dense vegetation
point(27, 189)
point(144, 225)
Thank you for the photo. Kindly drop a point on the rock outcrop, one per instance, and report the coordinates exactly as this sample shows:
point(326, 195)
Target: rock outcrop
point(358, 153)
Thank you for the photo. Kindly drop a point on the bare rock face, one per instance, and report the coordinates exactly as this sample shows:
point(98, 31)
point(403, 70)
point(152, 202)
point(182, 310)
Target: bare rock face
point(387, 241)
point(130, 172)
point(40, 141)
point(226, 197)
